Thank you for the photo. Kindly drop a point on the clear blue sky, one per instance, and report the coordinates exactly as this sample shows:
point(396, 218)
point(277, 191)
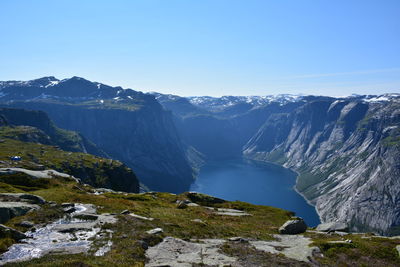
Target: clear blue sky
point(207, 47)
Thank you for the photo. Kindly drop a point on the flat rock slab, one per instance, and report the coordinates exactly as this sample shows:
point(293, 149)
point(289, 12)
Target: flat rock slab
point(332, 226)
point(23, 197)
point(140, 217)
point(292, 246)
point(47, 174)
point(228, 212)
point(179, 253)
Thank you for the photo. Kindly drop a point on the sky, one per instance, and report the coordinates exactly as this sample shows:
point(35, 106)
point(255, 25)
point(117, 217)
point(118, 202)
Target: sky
point(207, 47)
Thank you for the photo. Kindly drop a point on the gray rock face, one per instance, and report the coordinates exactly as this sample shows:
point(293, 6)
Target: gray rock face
point(15, 197)
point(179, 253)
point(293, 227)
point(332, 226)
point(9, 210)
point(348, 155)
point(292, 246)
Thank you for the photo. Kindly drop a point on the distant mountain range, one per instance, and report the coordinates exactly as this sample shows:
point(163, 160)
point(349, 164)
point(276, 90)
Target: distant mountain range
point(345, 149)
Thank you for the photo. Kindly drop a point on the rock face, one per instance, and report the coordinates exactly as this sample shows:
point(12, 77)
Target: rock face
point(36, 126)
point(292, 246)
point(348, 157)
point(13, 205)
point(346, 150)
point(293, 227)
point(176, 252)
point(127, 125)
point(332, 226)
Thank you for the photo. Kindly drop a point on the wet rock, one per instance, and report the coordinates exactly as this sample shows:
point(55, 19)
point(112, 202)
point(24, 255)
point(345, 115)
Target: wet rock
point(155, 231)
point(177, 252)
point(67, 236)
point(9, 210)
point(332, 226)
point(293, 227)
point(125, 212)
point(11, 233)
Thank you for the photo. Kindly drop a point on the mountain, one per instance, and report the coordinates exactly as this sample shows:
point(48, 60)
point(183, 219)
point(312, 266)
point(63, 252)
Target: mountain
point(39, 122)
point(346, 150)
point(127, 125)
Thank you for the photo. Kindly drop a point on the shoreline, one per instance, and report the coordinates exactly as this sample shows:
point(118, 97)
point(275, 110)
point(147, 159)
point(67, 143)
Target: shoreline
point(280, 166)
point(294, 187)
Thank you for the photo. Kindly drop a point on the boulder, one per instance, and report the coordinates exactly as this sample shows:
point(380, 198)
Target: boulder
point(155, 231)
point(15, 197)
point(332, 227)
point(9, 210)
point(11, 233)
point(293, 227)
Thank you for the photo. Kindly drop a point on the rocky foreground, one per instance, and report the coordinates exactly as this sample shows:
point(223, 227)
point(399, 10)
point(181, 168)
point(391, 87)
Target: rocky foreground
point(56, 220)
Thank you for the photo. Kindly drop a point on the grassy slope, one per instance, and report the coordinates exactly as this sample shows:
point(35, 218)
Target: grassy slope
point(127, 251)
point(93, 170)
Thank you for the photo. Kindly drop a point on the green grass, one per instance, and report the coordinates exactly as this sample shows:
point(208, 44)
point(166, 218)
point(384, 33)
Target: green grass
point(94, 170)
point(370, 251)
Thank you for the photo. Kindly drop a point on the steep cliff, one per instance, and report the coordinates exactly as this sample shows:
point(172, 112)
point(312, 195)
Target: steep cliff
point(128, 125)
point(347, 153)
point(43, 130)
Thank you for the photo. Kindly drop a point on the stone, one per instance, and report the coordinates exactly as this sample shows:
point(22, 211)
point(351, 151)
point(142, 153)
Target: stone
point(177, 252)
point(9, 210)
point(16, 197)
point(293, 227)
point(140, 217)
point(182, 205)
point(67, 205)
point(292, 246)
point(10, 232)
point(228, 212)
point(125, 212)
point(332, 226)
point(155, 231)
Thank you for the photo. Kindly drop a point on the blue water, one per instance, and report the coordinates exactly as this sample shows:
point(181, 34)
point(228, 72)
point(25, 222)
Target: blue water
point(254, 182)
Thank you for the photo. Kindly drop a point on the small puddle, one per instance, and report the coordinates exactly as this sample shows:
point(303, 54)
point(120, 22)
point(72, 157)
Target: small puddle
point(46, 240)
